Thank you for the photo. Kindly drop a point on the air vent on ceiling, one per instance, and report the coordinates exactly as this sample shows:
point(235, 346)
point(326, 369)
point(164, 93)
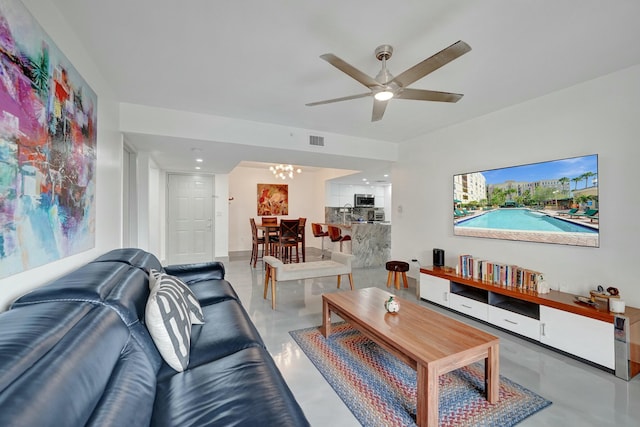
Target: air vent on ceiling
point(316, 140)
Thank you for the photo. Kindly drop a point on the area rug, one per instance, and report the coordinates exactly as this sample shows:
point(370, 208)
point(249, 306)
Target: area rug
point(380, 390)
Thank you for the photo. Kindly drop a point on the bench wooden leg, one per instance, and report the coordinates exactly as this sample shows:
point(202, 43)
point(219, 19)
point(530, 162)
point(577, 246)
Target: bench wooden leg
point(270, 273)
point(267, 273)
point(273, 290)
point(396, 279)
point(339, 277)
point(351, 280)
point(389, 279)
point(404, 279)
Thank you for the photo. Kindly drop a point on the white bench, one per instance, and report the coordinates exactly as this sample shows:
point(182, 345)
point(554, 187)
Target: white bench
point(277, 270)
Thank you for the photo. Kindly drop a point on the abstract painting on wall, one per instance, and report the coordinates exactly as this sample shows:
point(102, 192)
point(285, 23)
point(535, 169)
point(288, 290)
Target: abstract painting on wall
point(273, 199)
point(48, 117)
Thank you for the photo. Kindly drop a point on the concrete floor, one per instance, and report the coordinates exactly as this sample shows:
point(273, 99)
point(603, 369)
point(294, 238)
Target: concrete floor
point(582, 395)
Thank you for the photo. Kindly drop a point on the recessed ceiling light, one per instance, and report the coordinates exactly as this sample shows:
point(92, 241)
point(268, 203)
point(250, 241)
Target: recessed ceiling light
point(198, 168)
point(364, 179)
point(386, 175)
point(199, 160)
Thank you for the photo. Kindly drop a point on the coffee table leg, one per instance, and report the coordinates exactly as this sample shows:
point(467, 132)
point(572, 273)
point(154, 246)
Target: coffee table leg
point(427, 405)
point(492, 374)
point(326, 318)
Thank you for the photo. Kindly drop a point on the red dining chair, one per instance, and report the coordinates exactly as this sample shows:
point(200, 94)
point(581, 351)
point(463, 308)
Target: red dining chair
point(317, 231)
point(335, 235)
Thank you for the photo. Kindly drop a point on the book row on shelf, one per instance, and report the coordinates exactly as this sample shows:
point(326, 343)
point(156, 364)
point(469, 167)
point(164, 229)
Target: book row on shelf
point(498, 274)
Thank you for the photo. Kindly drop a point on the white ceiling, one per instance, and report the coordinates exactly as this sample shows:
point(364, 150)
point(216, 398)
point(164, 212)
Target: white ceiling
point(259, 60)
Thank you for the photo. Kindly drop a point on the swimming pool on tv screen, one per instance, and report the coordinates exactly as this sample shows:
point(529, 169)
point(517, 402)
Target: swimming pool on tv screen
point(523, 219)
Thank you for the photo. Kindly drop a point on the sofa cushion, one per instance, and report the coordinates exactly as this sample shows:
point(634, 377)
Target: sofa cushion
point(242, 389)
point(195, 311)
point(128, 397)
point(168, 320)
point(63, 382)
point(30, 332)
point(192, 273)
point(132, 256)
point(228, 329)
point(116, 284)
point(213, 291)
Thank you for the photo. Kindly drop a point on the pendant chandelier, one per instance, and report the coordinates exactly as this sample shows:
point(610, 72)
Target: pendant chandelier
point(284, 171)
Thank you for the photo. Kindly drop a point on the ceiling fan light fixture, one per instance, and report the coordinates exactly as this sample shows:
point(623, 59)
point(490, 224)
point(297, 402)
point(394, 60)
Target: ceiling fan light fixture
point(385, 95)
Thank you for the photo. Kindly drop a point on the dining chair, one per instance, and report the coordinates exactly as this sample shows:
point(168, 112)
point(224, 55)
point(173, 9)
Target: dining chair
point(335, 235)
point(302, 225)
point(269, 220)
point(317, 231)
point(288, 239)
point(256, 241)
point(272, 234)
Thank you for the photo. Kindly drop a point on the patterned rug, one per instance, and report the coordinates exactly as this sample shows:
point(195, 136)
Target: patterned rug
point(380, 390)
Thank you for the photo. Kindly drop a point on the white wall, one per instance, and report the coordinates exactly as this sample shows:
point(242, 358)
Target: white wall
point(109, 160)
point(205, 127)
point(596, 117)
point(221, 221)
point(306, 199)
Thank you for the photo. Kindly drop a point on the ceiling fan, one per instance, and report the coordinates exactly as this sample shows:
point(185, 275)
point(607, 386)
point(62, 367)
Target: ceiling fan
point(385, 86)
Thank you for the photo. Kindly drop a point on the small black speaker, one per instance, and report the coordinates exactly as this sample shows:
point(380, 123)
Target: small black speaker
point(438, 257)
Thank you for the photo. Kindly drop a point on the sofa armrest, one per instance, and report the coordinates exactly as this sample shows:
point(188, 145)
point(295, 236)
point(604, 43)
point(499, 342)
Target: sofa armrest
point(192, 273)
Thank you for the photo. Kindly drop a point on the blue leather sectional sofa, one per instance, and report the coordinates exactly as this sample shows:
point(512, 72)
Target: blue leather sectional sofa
point(76, 352)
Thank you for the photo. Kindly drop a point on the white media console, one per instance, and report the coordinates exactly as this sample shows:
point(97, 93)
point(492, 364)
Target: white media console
point(554, 319)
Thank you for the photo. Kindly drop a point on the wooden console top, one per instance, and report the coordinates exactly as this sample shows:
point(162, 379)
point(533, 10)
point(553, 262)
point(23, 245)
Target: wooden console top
point(555, 299)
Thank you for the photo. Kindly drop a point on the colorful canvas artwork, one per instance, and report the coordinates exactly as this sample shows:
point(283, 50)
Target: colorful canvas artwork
point(273, 199)
point(47, 148)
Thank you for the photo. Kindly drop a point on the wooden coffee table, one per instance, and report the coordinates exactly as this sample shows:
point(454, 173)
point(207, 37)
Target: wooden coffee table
point(429, 342)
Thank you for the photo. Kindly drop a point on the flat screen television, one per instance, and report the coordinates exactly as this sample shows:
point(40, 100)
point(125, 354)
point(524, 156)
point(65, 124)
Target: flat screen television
point(548, 202)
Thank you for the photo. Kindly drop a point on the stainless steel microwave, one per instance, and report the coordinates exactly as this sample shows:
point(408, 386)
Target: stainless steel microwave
point(364, 200)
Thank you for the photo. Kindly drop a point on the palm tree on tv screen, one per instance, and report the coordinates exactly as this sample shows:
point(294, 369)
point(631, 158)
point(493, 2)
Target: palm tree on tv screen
point(586, 177)
point(577, 179)
point(564, 181)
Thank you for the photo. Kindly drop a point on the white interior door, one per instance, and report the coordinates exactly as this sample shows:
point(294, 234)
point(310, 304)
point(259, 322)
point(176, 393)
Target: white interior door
point(190, 219)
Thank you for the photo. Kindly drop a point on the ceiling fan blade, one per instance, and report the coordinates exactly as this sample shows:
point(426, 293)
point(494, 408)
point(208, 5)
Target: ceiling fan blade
point(344, 98)
point(429, 95)
point(432, 63)
point(350, 70)
point(378, 109)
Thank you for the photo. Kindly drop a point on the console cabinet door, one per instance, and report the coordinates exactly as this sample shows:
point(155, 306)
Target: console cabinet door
point(434, 289)
point(581, 336)
point(515, 322)
point(469, 306)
